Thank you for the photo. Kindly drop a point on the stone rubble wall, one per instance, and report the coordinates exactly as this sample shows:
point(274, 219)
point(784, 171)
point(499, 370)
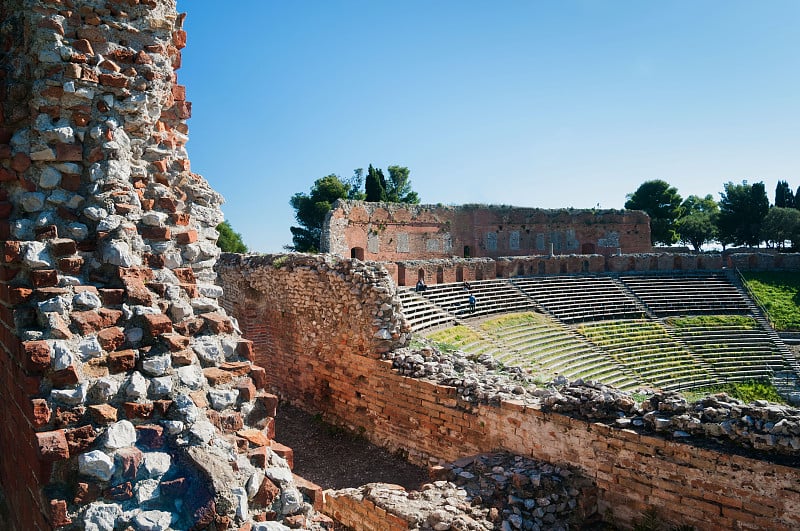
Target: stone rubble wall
point(454, 407)
point(129, 399)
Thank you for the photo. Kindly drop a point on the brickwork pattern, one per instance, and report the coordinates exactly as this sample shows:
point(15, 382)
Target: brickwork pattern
point(688, 485)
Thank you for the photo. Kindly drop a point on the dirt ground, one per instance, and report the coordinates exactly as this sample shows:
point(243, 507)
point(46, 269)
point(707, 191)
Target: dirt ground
point(335, 459)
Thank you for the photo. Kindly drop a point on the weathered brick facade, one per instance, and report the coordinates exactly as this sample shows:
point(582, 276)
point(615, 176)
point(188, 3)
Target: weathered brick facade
point(313, 324)
point(393, 232)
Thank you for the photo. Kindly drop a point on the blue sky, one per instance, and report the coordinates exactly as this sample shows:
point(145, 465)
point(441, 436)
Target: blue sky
point(531, 103)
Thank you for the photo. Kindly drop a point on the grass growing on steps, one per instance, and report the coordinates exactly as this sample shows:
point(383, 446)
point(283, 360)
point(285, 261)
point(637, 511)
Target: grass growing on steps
point(727, 321)
point(513, 319)
point(744, 391)
point(453, 338)
point(778, 292)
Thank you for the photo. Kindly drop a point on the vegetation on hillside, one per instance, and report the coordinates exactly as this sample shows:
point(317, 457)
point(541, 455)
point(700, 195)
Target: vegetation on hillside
point(229, 240)
point(727, 321)
point(453, 338)
point(778, 292)
point(745, 391)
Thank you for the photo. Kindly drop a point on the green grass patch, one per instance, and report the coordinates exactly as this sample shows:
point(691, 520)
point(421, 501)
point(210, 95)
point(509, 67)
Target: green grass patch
point(745, 391)
point(727, 321)
point(514, 319)
point(453, 338)
point(778, 292)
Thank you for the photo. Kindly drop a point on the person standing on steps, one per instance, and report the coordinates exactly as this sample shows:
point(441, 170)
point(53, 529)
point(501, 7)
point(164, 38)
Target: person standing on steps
point(472, 301)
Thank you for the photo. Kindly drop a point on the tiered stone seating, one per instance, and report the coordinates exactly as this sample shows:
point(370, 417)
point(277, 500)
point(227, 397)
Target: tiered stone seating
point(687, 294)
point(581, 298)
point(645, 348)
point(493, 296)
point(422, 313)
point(735, 352)
point(548, 348)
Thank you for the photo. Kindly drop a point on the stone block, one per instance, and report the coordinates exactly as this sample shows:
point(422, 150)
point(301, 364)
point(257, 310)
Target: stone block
point(37, 356)
point(80, 439)
point(150, 436)
point(44, 278)
point(58, 514)
point(122, 361)
point(112, 297)
point(184, 238)
point(86, 322)
point(129, 459)
point(63, 247)
point(259, 376)
point(137, 410)
point(175, 342)
point(71, 265)
point(217, 376)
point(182, 358)
point(158, 324)
point(102, 414)
point(40, 412)
point(52, 445)
point(111, 338)
point(283, 451)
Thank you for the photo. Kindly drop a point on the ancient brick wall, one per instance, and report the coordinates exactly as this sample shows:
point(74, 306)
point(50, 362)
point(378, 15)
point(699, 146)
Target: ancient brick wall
point(127, 394)
point(394, 232)
point(320, 369)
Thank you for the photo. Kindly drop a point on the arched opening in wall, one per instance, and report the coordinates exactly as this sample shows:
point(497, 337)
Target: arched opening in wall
point(357, 252)
point(479, 274)
point(466, 251)
point(585, 266)
point(459, 274)
point(401, 275)
point(440, 275)
point(587, 248)
point(562, 268)
point(541, 268)
point(421, 274)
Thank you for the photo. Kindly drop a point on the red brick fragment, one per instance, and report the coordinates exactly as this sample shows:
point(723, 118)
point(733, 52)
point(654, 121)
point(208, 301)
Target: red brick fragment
point(184, 274)
point(174, 488)
point(158, 324)
point(283, 451)
point(111, 338)
point(180, 219)
point(113, 80)
point(244, 348)
point(130, 459)
point(150, 436)
point(69, 152)
point(175, 342)
point(44, 278)
point(121, 492)
point(63, 247)
point(80, 439)
point(52, 445)
point(71, 265)
point(259, 376)
point(40, 412)
point(58, 513)
point(20, 162)
point(86, 493)
point(102, 414)
point(37, 355)
point(136, 410)
point(217, 376)
point(231, 421)
point(247, 391)
point(122, 361)
point(86, 322)
point(218, 323)
point(310, 490)
point(111, 297)
point(187, 237)
point(155, 233)
point(19, 295)
point(182, 358)
point(12, 252)
point(7, 175)
point(236, 368)
point(109, 317)
point(267, 493)
point(65, 377)
point(269, 402)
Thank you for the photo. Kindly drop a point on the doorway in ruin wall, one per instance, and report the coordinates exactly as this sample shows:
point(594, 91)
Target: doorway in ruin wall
point(357, 252)
point(460, 274)
point(440, 275)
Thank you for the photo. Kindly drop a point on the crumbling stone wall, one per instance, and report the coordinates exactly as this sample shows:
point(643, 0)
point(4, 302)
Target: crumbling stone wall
point(395, 232)
point(128, 396)
point(454, 415)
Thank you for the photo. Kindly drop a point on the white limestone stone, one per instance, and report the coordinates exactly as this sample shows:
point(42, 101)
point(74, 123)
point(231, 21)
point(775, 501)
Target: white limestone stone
point(154, 219)
point(281, 475)
point(291, 500)
point(55, 304)
point(101, 516)
point(146, 490)
point(203, 430)
point(78, 231)
point(71, 397)
point(95, 213)
point(185, 406)
point(119, 253)
point(134, 335)
point(121, 434)
point(36, 255)
point(96, 464)
point(210, 290)
point(22, 229)
point(208, 350)
point(156, 464)
point(204, 304)
point(50, 178)
point(89, 347)
point(137, 386)
point(172, 427)
point(179, 310)
point(222, 398)
point(157, 365)
point(152, 521)
point(160, 386)
point(269, 526)
point(106, 388)
point(110, 223)
point(87, 299)
point(62, 356)
point(254, 483)
point(240, 495)
point(191, 376)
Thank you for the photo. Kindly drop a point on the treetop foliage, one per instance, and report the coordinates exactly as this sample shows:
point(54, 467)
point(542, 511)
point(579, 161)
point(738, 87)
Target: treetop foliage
point(663, 204)
point(311, 208)
point(229, 240)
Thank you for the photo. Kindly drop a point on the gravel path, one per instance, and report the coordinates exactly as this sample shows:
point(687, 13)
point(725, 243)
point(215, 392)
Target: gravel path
point(335, 459)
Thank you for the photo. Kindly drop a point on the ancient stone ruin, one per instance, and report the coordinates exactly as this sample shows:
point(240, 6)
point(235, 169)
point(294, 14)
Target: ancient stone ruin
point(130, 400)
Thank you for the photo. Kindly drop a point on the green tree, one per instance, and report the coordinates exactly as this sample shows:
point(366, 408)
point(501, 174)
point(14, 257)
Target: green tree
point(742, 209)
point(229, 240)
point(781, 225)
point(398, 186)
point(663, 204)
point(698, 224)
point(783, 195)
point(375, 185)
point(311, 209)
